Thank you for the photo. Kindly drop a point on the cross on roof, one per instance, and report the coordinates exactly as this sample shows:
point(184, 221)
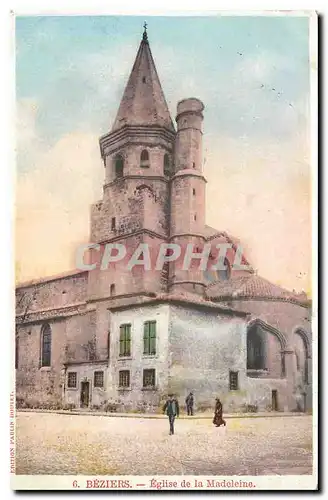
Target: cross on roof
point(145, 37)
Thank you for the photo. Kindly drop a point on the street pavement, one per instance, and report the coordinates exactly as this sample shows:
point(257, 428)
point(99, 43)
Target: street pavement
point(48, 443)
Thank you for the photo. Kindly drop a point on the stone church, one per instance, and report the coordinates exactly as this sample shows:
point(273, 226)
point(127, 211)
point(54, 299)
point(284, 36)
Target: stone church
point(126, 338)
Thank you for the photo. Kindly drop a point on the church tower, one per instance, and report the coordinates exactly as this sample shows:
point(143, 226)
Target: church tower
point(138, 158)
point(188, 196)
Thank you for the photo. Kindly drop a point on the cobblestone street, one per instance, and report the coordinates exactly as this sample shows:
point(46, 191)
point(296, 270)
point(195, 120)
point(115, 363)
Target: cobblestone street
point(97, 445)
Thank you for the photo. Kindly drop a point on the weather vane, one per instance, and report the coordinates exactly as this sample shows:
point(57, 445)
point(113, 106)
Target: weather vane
point(145, 37)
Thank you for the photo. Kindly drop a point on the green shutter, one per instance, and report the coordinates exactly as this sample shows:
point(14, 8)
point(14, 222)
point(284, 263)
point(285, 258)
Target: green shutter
point(121, 340)
point(125, 340)
point(153, 337)
point(128, 340)
point(149, 337)
point(146, 337)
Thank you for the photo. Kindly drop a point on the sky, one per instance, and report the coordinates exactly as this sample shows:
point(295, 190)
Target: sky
point(253, 75)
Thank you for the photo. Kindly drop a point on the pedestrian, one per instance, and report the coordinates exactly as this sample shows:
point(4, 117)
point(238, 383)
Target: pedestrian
point(171, 408)
point(190, 404)
point(218, 420)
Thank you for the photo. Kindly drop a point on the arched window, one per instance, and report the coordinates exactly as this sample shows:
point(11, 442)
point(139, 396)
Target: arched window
point(112, 290)
point(298, 364)
point(302, 355)
point(167, 170)
point(118, 166)
point(256, 348)
point(144, 158)
point(224, 274)
point(46, 345)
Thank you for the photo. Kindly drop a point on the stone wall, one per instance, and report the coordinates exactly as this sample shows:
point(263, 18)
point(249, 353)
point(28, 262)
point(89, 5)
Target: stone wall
point(204, 348)
point(85, 373)
point(137, 362)
point(52, 293)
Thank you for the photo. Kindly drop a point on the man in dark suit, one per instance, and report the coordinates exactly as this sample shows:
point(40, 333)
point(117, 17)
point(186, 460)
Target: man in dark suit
point(171, 408)
point(190, 404)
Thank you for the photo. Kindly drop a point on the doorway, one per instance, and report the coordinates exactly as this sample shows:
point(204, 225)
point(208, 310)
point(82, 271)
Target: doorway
point(85, 394)
point(274, 396)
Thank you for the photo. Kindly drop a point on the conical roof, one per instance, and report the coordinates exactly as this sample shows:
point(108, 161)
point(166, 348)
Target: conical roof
point(143, 101)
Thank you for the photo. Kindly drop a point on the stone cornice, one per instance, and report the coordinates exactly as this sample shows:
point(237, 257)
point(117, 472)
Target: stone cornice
point(183, 301)
point(182, 235)
point(114, 298)
point(124, 236)
point(93, 362)
point(52, 313)
point(134, 133)
point(230, 298)
point(163, 179)
point(188, 173)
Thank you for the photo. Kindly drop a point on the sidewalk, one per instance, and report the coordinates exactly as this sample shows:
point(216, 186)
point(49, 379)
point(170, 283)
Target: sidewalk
point(157, 415)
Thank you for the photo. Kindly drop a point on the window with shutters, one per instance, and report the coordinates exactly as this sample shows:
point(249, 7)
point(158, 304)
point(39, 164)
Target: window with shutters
point(149, 337)
point(125, 340)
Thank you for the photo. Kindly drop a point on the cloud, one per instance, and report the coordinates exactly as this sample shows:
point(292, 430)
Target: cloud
point(53, 201)
point(256, 148)
point(261, 194)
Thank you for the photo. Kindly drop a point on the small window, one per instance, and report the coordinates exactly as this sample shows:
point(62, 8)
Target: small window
point(167, 169)
point(149, 378)
point(194, 191)
point(124, 378)
point(119, 166)
point(98, 379)
point(195, 217)
point(144, 158)
point(149, 337)
point(46, 345)
point(125, 340)
point(71, 380)
point(193, 164)
point(113, 226)
point(233, 381)
point(112, 290)
point(143, 79)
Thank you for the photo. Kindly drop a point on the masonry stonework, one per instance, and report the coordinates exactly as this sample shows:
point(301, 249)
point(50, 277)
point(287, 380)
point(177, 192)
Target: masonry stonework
point(227, 333)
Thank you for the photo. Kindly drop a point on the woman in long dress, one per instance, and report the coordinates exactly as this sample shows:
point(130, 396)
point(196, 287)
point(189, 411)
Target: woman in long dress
point(218, 420)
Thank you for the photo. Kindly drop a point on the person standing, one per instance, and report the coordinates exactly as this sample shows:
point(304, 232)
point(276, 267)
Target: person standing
point(190, 404)
point(218, 420)
point(171, 408)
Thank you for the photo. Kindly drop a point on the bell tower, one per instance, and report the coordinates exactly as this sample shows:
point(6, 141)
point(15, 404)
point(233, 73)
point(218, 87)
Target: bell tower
point(188, 195)
point(138, 156)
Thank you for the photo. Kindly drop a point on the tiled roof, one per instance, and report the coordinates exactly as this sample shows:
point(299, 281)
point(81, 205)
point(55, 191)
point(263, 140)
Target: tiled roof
point(251, 286)
point(143, 101)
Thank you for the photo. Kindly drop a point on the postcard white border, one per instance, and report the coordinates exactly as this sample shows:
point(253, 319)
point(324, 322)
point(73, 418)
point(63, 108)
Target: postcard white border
point(35, 7)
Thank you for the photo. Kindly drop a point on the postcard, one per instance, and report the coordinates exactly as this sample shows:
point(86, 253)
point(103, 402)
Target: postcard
point(166, 295)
